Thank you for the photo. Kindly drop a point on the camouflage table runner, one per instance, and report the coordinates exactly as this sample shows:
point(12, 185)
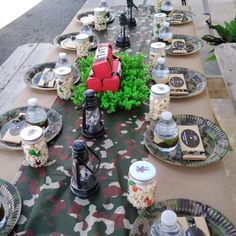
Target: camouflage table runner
point(50, 208)
point(140, 36)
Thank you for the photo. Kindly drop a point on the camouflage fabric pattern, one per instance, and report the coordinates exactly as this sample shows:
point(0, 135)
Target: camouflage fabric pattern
point(49, 206)
point(140, 36)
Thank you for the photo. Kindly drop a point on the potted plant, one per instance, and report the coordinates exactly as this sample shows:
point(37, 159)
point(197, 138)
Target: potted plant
point(226, 34)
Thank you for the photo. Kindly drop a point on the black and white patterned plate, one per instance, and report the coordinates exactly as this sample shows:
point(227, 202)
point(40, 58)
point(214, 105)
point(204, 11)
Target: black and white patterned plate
point(6, 120)
point(187, 17)
point(196, 82)
point(11, 196)
point(33, 75)
point(79, 16)
point(214, 140)
point(63, 40)
point(193, 45)
point(217, 223)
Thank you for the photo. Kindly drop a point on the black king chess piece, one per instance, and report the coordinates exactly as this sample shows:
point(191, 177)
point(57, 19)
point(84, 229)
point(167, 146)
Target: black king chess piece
point(84, 182)
point(122, 40)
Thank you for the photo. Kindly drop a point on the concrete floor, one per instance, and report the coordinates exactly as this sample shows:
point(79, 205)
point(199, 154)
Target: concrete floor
point(41, 24)
point(12, 9)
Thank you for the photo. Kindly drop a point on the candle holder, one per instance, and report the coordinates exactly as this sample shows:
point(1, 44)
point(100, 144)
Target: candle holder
point(122, 40)
point(86, 163)
point(93, 127)
point(131, 21)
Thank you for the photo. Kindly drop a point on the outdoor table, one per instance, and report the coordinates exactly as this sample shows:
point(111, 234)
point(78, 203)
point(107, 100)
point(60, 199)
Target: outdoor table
point(49, 205)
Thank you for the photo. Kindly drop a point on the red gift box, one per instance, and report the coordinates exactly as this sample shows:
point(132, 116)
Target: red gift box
point(103, 63)
point(111, 84)
point(94, 83)
point(106, 72)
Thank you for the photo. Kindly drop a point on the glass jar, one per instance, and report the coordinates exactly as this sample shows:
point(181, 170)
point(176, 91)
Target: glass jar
point(64, 81)
point(100, 22)
point(158, 20)
point(82, 45)
point(34, 146)
point(166, 133)
point(159, 100)
point(157, 5)
point(165, 34)
point(167, 225)
point(35, 114)
point(142, 184)
point(157, 49)
point(86, 29)
point(161, 73)
point(167, 8)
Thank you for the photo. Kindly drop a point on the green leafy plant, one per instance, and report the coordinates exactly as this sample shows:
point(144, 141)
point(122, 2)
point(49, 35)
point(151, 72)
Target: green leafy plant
point(133, 89)
point(226, 33)
point(84, 66)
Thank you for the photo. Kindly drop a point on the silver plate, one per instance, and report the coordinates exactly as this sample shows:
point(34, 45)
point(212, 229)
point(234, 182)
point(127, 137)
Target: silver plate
point(217, 223)
point(188, 17)
point(196, 82)
point(193, 45)
point(33, 75)
point(215, 142)
point(12, 197)
point(6, 119)
point(65, 39)
point(109, 20)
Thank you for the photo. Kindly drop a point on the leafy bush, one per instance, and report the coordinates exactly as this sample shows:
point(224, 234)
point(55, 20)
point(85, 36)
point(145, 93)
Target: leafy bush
point(226, 32)
point(133, 89)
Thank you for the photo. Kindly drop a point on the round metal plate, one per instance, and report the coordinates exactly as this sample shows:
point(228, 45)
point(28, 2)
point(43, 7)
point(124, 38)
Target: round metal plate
point(214, 140)
point(12, 197)
point(33, 75)
point(217, 223)
point(6, 119)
